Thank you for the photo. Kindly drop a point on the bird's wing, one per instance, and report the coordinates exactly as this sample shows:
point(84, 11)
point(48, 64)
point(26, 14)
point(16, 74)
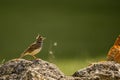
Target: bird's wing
point(31, 48)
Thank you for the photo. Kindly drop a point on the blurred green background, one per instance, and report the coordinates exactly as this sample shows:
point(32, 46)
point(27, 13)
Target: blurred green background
point(84, 30)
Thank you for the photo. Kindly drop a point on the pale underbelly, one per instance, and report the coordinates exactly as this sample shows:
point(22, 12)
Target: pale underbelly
point(33, 52)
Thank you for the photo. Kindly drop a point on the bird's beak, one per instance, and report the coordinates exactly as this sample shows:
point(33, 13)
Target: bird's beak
point(44, 38)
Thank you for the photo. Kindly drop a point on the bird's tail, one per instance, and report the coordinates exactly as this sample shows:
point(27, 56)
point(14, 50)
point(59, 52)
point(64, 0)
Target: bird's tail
point(22, 55)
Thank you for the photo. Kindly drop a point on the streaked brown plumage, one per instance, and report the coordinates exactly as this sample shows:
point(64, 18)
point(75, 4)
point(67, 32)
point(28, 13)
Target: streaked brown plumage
point(114, 52)
point(34, 48)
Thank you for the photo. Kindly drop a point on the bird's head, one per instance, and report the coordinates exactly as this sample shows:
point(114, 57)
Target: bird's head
point(40, 38)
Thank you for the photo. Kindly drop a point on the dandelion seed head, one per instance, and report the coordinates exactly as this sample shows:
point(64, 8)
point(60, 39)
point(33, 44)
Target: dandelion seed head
point(55, 44)
point(50, 52)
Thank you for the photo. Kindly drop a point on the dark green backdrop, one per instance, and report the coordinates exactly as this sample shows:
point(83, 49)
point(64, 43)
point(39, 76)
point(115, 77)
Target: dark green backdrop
point(82, 28)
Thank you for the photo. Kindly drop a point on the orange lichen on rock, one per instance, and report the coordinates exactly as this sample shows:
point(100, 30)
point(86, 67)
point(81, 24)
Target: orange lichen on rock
point(114, 52)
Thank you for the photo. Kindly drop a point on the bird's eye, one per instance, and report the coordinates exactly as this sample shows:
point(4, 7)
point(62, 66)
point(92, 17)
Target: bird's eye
point(39, 42)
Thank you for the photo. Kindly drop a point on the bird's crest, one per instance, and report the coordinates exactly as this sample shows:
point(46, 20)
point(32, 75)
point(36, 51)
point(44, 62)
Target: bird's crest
point(40, 38)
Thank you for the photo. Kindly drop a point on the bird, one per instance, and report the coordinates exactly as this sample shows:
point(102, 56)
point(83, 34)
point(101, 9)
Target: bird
point(34, 48)
point(114, 52)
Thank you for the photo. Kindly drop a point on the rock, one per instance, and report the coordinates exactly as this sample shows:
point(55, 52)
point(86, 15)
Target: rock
point(107, 70)
point(21, 69)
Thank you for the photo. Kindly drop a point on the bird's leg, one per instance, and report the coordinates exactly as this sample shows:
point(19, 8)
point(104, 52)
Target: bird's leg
point(34, 57)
